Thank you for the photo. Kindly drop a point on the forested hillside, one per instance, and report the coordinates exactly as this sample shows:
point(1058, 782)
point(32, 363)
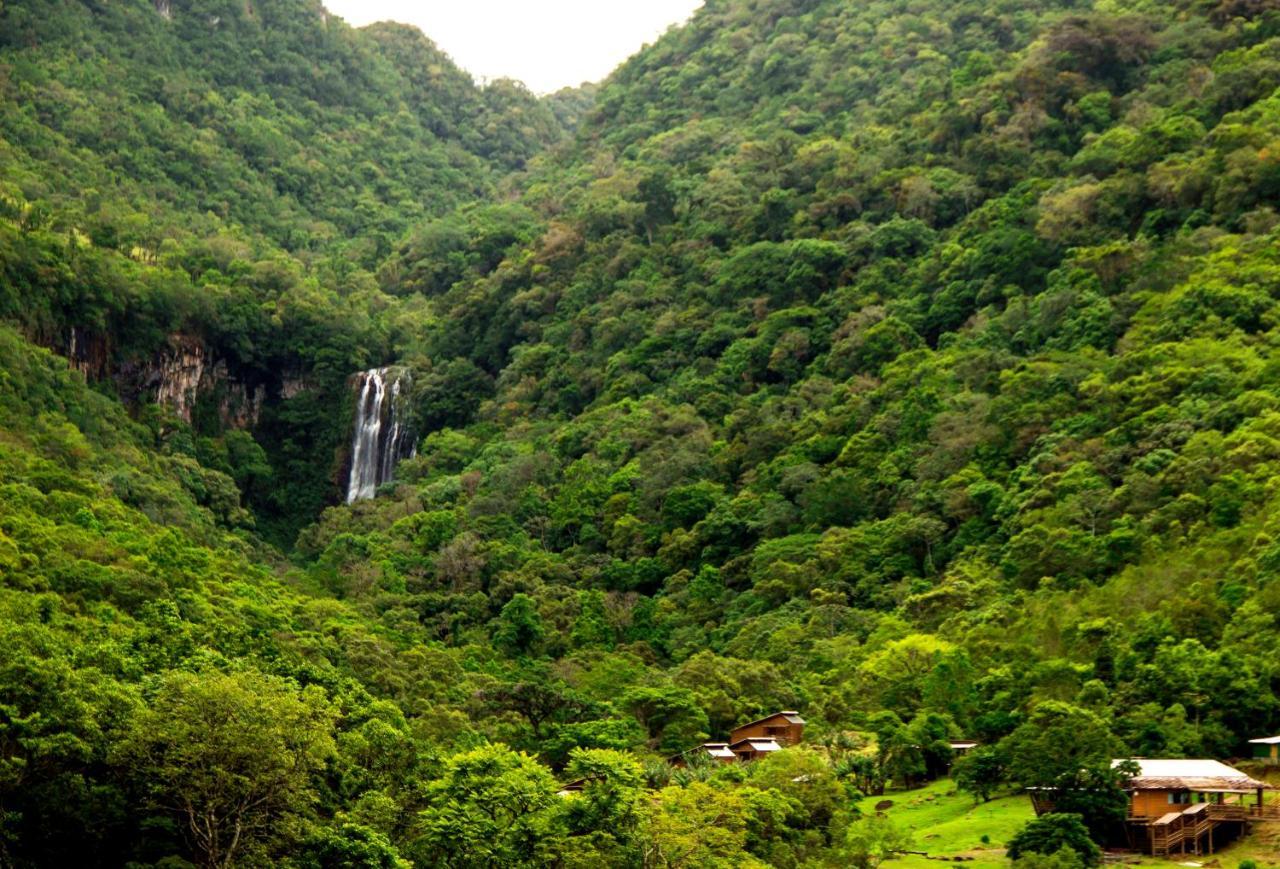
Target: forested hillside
point(907, 364)
point(228, 177)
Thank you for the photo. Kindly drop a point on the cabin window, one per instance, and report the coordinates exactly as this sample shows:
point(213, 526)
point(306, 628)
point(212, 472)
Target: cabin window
point(1179, 798)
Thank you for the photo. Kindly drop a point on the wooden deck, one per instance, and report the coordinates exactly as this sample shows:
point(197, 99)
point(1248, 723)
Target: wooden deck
point(1235, 812)
point(1191, 831)
point(1226, 812)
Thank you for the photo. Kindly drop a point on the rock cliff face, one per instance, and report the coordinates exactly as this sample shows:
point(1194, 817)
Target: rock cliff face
point(180, 373)
point(89, 353)
point(294, 383)
point(185, 373)
point(241, 405)
point(179, 376)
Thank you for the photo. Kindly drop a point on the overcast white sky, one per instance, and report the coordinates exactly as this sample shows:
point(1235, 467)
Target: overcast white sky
point(547, 44)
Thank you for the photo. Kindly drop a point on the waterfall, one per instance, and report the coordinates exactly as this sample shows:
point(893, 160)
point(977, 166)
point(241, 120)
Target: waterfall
point(382, 436)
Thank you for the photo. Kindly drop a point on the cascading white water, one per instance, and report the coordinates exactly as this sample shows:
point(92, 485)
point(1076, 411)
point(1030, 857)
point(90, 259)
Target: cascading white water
point(382, 438)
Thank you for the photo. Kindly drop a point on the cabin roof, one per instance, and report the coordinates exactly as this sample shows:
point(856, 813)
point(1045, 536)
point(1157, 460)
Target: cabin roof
point(791, 716)
point(759, 743)
point(1266, 740)
point(717, 749)
point(1173, 774)
point(713, 749)
point(962, 743)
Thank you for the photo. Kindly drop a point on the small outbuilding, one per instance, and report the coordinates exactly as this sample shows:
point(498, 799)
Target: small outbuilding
point(754, 748)
point(716, 751)
point(1267, 750)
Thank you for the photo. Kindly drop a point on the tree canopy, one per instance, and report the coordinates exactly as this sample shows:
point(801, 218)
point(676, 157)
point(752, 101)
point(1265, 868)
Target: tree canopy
point(907, 365)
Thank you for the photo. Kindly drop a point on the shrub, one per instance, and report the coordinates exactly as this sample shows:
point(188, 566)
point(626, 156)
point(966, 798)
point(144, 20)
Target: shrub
point(1049, 834)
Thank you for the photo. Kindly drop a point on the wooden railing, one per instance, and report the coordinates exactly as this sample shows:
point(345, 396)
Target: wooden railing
point(1191, 825)
point(1229, 812)
point(1237, 812)
point(1223, 812)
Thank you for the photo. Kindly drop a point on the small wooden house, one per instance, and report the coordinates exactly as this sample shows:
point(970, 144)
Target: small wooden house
point(786, 728)
point(754, 748)
point(962, 746)
point(1267, 750)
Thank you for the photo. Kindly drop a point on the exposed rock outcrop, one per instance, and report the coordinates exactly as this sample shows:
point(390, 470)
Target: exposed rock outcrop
point(89, 353)
point(186, 375)
point(180, 374)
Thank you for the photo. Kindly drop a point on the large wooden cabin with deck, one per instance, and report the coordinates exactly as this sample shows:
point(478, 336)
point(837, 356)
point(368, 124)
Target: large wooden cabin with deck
point(1181, 806)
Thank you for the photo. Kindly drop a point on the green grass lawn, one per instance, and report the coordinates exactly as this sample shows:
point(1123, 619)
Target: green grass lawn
point(945, 822)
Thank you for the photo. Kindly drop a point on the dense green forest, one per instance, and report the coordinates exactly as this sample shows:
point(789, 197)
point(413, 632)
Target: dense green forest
point(907, 363)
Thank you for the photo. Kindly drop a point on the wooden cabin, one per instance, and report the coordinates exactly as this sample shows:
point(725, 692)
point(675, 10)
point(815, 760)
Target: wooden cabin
point(1267, 750)
point(961, 747)
point(754, 747)
point(1181, 806)
point(1165, 785)
point(750, 741)
point(786, 728)
point(716, 751)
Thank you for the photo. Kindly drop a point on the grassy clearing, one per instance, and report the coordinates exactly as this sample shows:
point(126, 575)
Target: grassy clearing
point(947, 823)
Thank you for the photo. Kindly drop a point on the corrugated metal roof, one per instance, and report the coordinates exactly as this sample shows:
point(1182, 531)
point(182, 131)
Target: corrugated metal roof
point(1266, 740)
point(791, 715)
point(759, 743)
point(1164, 774)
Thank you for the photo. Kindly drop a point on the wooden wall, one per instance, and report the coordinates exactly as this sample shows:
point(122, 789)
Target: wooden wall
point(1153, 804)
point(791, 734)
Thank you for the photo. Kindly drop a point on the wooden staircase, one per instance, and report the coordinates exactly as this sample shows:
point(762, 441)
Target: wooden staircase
point(1176, 830)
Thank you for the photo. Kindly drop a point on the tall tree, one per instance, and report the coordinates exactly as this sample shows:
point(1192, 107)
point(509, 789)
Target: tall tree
point(233, 757)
